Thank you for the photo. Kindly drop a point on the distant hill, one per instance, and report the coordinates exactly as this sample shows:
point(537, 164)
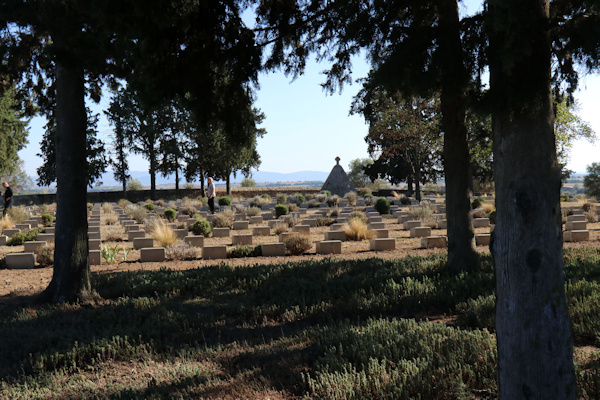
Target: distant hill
point(258, 176)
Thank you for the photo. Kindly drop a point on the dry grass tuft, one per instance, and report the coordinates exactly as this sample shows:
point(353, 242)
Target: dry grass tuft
point(357, 229)
point(7, 222)
point(162, 233)
point(45, 255)
point(108, 208)
point(110, 219)
point(297, 244)
point(181, 251)
point(488, 207)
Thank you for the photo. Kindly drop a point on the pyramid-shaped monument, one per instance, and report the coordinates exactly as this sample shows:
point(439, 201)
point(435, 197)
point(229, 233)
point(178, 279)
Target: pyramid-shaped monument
point(338, 182)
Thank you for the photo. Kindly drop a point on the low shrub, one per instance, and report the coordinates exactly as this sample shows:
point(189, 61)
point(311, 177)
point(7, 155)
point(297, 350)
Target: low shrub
point(281, 228)
point(24, 236)
point(477, 202)
point(359, 215)
point(382, 205)
point(110, 219)
point(112, 233)
point(351, 198)
point(224, 201)
point(405, 201)
point(170, 214)
point(281, 198)
point(253, 211)
point(45, 255)
point(369, 200)
point(356, 229)
point(334, 200)
point(289, 220)
point(107, 208)
point(180, 251)
point(149, 206)
point(297, 198)
point(18, 214)
point(321, 197)
point(293, 207)
point(363, 191)
point(188, 210)
point(324, 221)
point(591, 217)
point(242, 251)
point(136, 213)
point(334, 212)
point(223, 219)
point(308, 197)
point(565, 197)
point(314, 203)
point(479, 213)
point(423, 212)
point(266, 196)
point(326, 193)
point(123, 203)
point(47, 219)
point(297, 244)
point(281, 209)
point(200, 227)
point(492, 217)
point(160, 203)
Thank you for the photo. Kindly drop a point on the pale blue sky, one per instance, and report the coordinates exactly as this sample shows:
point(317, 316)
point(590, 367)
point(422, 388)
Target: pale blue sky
point(307, 128)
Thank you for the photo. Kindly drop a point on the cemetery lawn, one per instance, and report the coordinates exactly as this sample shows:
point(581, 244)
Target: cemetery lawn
point(364, 325)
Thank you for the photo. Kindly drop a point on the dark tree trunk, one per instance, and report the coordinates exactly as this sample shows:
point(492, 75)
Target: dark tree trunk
point(228, 184)
point(418, 185)
point(202, 184)
point(152, 175)
point(71, 277)
point(409, 182)
point(177, 182)
point(535, 347)
point(462, 253)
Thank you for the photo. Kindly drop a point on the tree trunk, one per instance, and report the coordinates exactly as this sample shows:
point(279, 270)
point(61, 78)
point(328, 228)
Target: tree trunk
point(228, 184)
point(418, 185)
point(409, 182)
point(177, 182)
point(152, 175)
point(462, 253)
point(202, 184)
point(71, 276)
point(535, 346)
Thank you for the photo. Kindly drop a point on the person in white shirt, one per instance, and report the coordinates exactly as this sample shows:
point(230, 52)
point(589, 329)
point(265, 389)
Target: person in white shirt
point(211, 195)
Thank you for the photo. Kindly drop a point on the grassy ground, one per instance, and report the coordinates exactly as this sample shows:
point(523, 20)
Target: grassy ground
point(330, 328)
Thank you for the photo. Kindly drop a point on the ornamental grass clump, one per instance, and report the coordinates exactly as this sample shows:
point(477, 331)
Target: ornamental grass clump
point(356, 229)
point(158, 229)
point(297, 244)
point(18, 214)
point(351, 198)
point(7, 222)
point(107, 208)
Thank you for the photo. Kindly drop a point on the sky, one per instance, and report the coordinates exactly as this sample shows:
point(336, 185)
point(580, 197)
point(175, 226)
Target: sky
point(308, 128)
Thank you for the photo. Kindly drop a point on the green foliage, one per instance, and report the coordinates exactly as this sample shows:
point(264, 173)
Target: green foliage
point(400, 359)
point(13, 132)
point(297, 244)
point(200, 227)
point(477, 202)
point(301, 198)
point(225, 201)
point(110, 253)
point(591, 181)
point(248, 182)
point(281, 209)
point(170, 214)
point(492, 217)
point(47, 219)
point(565, 197)
point(368, 195)
point(326, 192)
point(149, 206)
point(382, 205)
point(356, 172)
point(24, 236)
point(242, 251)
point(134, 184)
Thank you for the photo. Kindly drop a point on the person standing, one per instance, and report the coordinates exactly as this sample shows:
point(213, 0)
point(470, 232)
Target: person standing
point(211, 195)
point(8, 198)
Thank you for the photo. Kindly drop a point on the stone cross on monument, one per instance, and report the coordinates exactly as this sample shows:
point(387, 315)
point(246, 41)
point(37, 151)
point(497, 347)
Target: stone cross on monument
point(338, 182)
point(337, 161)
